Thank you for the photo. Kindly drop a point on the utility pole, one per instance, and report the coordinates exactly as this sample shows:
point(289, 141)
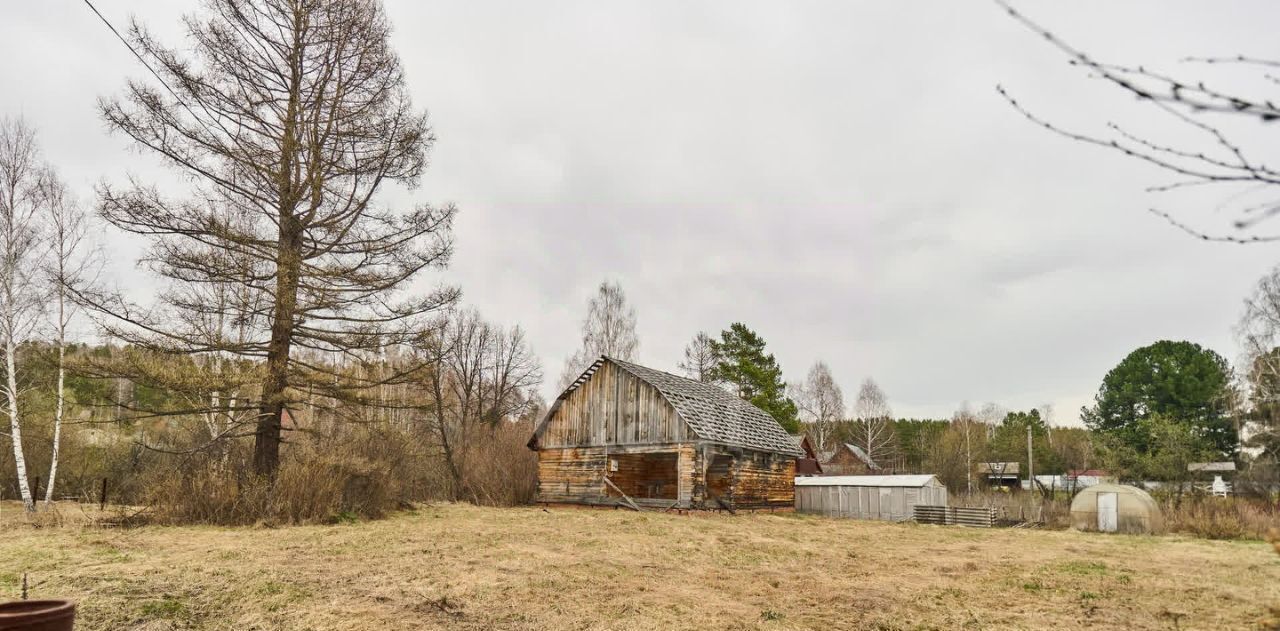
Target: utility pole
point(968, 458)
point(1031, 465)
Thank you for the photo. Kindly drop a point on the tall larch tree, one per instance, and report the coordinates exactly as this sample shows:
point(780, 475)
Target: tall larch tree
point(288, 118)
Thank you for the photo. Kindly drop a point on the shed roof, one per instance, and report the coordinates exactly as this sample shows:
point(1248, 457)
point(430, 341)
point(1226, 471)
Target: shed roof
point(869, 480)
point(1211, 466)
point(711, 412)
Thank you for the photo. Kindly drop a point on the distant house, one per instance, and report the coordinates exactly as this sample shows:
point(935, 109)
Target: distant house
point(807, 465)
point(626, 434)
point(848, 459)
point(1002, 474)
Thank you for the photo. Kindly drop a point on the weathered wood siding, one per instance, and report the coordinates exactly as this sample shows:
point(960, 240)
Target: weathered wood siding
point(571, 475)
point(613, 407)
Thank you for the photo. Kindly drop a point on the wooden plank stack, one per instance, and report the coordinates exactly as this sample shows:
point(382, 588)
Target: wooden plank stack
point(955, 516)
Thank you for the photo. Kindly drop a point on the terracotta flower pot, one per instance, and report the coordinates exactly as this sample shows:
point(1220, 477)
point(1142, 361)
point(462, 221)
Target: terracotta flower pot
point(37, 615)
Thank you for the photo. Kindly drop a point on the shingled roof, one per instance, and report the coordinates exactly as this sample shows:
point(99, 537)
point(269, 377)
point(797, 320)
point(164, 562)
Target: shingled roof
point(711, 412)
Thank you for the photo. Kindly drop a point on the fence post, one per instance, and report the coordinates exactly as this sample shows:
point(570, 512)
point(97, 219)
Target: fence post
point(102, 497)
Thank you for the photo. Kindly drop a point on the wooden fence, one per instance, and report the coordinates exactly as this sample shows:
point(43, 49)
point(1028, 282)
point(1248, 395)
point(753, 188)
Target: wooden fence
point(955, 516)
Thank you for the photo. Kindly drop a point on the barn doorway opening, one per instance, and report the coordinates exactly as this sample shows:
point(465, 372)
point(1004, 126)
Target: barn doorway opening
point(645, 476)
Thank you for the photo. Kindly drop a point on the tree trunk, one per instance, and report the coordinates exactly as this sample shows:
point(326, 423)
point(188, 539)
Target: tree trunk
point(15, 427)
point(60, 405)
point(266, 446)
point(443, 428)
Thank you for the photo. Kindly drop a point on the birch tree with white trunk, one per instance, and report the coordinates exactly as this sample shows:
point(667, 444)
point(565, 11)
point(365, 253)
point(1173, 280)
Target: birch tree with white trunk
point(874, 427)
point(69, 265)
point(821, 404)
point(22, 175)
point(609, 329)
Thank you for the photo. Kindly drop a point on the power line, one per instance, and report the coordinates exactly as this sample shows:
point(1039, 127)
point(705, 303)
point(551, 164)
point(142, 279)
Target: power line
point(135, 53)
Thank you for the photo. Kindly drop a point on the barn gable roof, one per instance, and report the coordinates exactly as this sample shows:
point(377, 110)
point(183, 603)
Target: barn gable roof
point(711, 412)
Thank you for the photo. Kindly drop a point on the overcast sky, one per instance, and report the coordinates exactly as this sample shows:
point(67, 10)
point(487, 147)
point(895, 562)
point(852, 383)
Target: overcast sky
point(840, 176)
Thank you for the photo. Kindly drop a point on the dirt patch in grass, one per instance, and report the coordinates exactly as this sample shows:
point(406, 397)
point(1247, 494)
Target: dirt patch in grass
point(464, 567)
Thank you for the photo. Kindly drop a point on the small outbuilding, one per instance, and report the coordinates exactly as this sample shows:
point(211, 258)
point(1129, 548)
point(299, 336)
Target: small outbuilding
point(1115, 508)
point(885, 497)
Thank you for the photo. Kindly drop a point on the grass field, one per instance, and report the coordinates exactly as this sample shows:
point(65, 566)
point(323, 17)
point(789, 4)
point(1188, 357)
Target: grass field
point(464, 567)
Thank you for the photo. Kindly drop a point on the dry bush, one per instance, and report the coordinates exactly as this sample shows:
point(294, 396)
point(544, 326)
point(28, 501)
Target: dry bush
point(499, 470)
point(352, 471)
point(320, 480)
point(1051, 512)
point(1218, 517)
point(1272, 620)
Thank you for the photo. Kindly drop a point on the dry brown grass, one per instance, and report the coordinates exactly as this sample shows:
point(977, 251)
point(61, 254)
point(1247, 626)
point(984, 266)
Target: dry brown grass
point(467, 567)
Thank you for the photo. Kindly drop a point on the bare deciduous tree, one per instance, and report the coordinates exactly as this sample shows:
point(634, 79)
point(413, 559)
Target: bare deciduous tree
point(70, 266)
point(289, 117)
point(699, 358)
point(477, 375)
point(609, 329)
point(23, 179)
point(1259, 334)
point(873, 427)
point(1222, 162)
point(964, 419)
point(821, 404)
point(1259, 326)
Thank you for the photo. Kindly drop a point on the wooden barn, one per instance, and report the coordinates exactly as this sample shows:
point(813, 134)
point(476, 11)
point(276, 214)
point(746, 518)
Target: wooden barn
point(623, 433)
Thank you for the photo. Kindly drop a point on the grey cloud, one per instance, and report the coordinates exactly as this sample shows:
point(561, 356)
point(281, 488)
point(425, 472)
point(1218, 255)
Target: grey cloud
point(841, 176)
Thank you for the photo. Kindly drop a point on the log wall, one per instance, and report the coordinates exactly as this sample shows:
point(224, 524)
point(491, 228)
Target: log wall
point(763, 480)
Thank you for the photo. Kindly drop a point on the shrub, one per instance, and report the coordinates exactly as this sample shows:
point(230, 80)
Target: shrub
point(352, 471)
point(1218, 517)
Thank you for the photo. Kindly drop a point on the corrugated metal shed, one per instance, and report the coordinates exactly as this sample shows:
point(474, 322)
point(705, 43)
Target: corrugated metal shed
point(885, 497)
